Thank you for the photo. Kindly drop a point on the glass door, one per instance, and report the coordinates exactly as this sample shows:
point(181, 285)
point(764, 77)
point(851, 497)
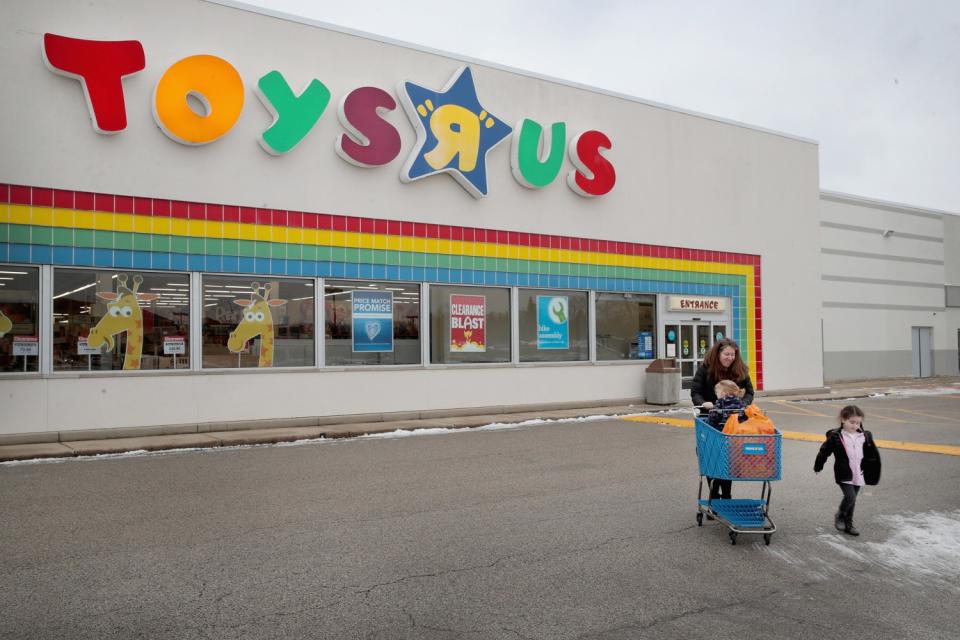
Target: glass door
point(689, 344)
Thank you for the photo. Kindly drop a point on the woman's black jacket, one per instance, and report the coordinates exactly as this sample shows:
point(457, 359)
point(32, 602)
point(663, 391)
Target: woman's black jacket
point(703, 383)
point(870, 465)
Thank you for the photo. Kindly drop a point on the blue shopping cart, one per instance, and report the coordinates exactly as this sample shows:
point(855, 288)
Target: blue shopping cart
point(750, 458)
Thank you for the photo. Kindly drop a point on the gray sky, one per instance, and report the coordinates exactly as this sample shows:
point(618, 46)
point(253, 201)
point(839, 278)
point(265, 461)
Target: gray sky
point(875, 82)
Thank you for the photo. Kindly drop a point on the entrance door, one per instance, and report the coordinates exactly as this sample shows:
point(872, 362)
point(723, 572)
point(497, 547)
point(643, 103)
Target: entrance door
point(922, 352)
point(689, 343)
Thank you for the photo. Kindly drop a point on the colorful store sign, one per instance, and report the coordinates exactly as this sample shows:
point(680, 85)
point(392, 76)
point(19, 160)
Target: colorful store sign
point(468, 323)
point(455, 131)
point(372, 320)
point(698, 304)
point(553, 322)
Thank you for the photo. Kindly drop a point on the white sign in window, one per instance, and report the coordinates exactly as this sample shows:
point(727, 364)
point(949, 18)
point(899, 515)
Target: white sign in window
point(26, 346)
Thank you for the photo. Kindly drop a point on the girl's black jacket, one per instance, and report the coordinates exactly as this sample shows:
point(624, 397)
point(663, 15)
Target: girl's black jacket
point(870, 465)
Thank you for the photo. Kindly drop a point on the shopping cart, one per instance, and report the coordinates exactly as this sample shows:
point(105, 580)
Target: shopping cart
point(750, 458)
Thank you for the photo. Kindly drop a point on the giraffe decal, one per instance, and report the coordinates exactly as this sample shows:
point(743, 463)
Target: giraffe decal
point(5, 324)
point(257, 321)
point(123, 315)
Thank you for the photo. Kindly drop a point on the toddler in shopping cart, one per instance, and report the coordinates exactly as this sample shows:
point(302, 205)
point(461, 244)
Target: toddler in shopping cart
point(729, 401)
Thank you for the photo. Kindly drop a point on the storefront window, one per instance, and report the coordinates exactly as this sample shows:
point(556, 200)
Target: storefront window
point(469, 324)
point(370, 323)
point(625, 326)
point(106, 320)
point(553, 325)
point(19, 311)
point(257, 323)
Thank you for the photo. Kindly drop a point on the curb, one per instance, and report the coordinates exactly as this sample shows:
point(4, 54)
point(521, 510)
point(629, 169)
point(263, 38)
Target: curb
point(215, 439)
point(351, 429)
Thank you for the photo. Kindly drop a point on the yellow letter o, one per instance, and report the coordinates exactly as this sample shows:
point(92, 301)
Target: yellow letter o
point(211, 80)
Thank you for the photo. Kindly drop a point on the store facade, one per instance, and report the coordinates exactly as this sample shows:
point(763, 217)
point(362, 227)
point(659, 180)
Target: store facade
point(215, 218)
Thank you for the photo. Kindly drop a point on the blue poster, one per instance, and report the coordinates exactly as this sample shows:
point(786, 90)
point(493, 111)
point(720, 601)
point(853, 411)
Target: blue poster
point(643, 346)
point(372, 320)
point(553, 322)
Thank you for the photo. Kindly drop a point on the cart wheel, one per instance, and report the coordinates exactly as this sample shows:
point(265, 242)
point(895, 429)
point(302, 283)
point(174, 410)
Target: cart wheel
point(766, 538)
point(733, 537)
point(699, 519)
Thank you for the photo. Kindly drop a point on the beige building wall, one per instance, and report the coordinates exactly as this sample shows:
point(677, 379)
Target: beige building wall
point(684, 180)
point(884, 270)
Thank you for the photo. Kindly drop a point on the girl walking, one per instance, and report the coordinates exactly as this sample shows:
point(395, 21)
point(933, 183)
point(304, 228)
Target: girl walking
point(856, 462)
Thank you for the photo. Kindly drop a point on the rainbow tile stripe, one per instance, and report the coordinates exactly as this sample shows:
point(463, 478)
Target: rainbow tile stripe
point(74, 228)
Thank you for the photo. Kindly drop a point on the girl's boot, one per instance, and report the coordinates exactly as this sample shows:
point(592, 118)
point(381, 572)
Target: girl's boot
point(839, 521)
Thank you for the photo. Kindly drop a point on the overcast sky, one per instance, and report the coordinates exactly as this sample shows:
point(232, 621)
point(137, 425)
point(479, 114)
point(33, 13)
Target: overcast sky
point(875, 82)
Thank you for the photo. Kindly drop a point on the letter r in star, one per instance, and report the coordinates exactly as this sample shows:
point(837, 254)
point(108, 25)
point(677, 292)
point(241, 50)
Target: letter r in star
point(454, 132)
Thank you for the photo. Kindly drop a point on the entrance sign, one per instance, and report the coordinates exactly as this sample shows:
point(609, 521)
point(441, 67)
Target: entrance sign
point(698, 304)
point(468, 323)
point(553, 322)
point(372, 321)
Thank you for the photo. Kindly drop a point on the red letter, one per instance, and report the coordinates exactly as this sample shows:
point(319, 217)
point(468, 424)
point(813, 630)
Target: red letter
point(99, 66)
point(379, 141)
point(594, 175)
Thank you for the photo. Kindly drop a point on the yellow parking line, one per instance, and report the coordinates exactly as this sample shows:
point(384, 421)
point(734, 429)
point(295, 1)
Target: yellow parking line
point(917, 447)
point(928, 415)
point(673, 422)
point(945, 449)
point(809, 412)
point(777, 412)
point(876, 416)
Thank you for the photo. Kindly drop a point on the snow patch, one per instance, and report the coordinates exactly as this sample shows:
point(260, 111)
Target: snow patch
point(935, 391)
point(924, 544)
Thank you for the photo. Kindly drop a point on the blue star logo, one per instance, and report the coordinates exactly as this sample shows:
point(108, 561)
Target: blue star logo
point(454, 132)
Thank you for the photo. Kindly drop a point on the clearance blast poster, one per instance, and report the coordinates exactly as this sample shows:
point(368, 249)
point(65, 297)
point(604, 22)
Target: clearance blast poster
point(468, 323)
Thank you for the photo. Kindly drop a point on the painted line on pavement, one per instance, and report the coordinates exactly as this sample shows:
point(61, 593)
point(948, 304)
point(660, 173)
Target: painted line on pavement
point(918, 447)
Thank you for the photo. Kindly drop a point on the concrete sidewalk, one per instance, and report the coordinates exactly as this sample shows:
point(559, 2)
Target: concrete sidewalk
point(67, 449)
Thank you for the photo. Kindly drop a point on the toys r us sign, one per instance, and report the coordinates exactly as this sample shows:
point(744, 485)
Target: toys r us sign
point(455, 132)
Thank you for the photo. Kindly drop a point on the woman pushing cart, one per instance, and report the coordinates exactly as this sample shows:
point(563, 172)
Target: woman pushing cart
point(724, 458)
point(750, 458)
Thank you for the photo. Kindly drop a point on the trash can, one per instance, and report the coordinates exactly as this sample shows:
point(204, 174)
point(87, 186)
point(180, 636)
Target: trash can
point(662, 385)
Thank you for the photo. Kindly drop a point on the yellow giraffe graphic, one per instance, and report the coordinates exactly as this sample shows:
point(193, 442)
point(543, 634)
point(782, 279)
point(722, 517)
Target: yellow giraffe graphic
point(123, 314)
point(257, 321)
point(5, 324)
